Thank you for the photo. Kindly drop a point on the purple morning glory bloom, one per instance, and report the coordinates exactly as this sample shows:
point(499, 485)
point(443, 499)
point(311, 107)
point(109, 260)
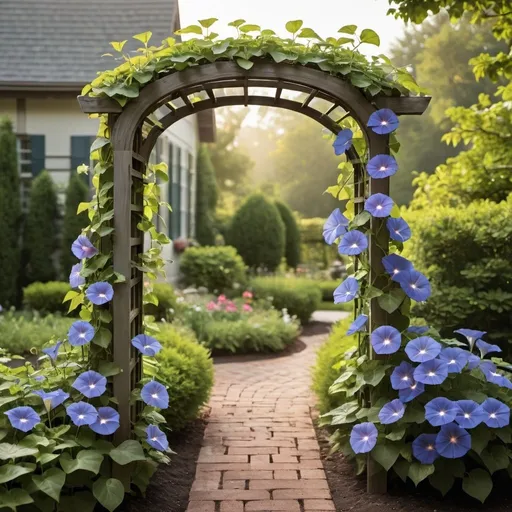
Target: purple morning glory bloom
point(417, 329)
point(91, 384)
point(147, 345)
point(473, 361)
point(410, 393)
point(107, 421)
point(471, 335)
point(470, 414)
point(363, 437)
point(80, 333)
point(424, 449)
point(452, 441)
point(487, 366)
point(335, 226)
point(422, 349)
point(53, 352)
point(83, 248)
point(343, 141)
point(396, 266)
point(357, 324)
point(391, 412)
point(440, 411)
point(382, 166)
point(486, 348)
point(23, 418)
point(496, 413)
point(402, 376)
point(398, 229)
point(156, 438)
point(455, 358)
point(385, 340)
point(346, 291)
point(415, 285)
point(383, 121)
point(100, 293)
point(431, 372)
point(57, 397)
point(154, 394)
point(82, 414)
point(353, 243)
point(75, 279)
point(492, 376)
point(379, 205)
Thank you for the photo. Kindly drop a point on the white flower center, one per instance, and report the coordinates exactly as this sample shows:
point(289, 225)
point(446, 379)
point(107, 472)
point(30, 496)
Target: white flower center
point(81, 416)
point(405, 377)
point(395, 414)
point(102, 295)
point(365, 438)
point(154, 395)
point(430, 447)
point(382, 168)
point(395, 271)
point(431, 374)
point(387, 341)
point(452, 361)
point(146, 347)
point(23, 420)
point(493, 415)
point(85, 248)
point(383, 123)
point(467, 416)
point(92, 386)
point(441, 413)
point(102, 422)
point(413, 286)
point(414, 387)
point(153, 439)
point(397, 231)
point(379, 207)
point(453, 440)
point(81, 335)
point(353, 246)
point(423, 351)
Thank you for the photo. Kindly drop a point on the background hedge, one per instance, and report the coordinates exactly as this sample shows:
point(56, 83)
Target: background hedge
point(292, 235)
point(167, 303)
point(46, 297)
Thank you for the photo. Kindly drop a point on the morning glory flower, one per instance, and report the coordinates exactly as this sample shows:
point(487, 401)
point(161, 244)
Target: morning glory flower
point(487, 366)
point(343, 141)
point(80, 333)
point(363, 437)
point(379, 205)
point(56, 397)
point(53, 352)
point(431, 372)
point(107, 421)
point(75, 279)
point(346, 291)
point(83, 248)
point(402, 376)
point(470, 414)
point(23, 418)
point(391, 412)
point(154, 394)
point(424, 449)
point(381, 166)
point(147, 345)
point(410, 393)
point(473, 361)
point(452, 441)
point(396, 266)
point(415, 285)
point(486, 348)
point(91, 384)
point(455, 358)
point(492, 375)
point(335, 226)
point(398, 229)
point(353, 243)
point(417, 329)
point(357, 324)
point(82, 414)
point(385, 340)
point(422, 349)
point(440, 411)
point(471, 335)
point(497, 414)
point(156, 438)
point(383, 121)
point(100, 293)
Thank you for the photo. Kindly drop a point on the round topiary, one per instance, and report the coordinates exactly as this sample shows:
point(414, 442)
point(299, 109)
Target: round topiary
point(292, 235)
point(258, 233)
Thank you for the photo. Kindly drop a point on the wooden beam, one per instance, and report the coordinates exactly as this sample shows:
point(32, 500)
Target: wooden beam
point(404, 105)
point(95, 105)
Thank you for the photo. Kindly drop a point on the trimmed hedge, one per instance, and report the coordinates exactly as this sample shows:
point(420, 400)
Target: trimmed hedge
point(292, 235)
point(46, 297)
point(167, 303)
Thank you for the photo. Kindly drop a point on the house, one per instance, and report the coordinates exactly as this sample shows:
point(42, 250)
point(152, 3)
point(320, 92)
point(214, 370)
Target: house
point(49, 50)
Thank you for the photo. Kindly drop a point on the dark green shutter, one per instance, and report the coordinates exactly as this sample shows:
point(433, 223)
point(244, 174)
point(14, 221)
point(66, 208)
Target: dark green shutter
point(37, 149)
point(81, 152)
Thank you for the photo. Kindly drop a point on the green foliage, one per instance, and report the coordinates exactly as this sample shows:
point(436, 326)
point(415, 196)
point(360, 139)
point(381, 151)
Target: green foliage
point(46, 297)
point(258, 233)
point(10, 215)
point(292, 235)
point(206, 198)
point(216, 268)
point(167, 304)
point(314, 251)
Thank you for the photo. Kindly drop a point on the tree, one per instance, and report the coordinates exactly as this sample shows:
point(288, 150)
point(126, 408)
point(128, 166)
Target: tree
point(10, 216)
point(292, 235)
point(73, 223)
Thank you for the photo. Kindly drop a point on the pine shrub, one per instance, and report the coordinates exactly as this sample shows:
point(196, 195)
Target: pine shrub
point(292, 235)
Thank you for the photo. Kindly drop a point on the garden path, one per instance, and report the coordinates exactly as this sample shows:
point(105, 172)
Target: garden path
point(260, 452)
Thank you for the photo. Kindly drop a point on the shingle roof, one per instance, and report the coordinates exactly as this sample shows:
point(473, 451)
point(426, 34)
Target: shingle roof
point(61, 41)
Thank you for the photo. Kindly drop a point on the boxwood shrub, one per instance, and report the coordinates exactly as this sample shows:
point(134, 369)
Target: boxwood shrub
point(46, 297)
point(167, 304)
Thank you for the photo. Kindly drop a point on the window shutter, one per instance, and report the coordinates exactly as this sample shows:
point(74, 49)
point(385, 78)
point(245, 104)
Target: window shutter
point(37, 149)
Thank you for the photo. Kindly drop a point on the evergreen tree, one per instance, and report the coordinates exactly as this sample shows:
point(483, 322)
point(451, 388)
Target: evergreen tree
point(206, 197)
point(292, 237)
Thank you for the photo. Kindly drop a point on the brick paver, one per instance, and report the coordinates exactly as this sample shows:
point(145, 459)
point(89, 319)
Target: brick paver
point(260, 452)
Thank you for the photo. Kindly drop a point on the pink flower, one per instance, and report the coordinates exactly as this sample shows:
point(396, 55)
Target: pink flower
point(221, 299)
point(211, 306)
point(247, 295)
point(247, 308)
point(231, 307)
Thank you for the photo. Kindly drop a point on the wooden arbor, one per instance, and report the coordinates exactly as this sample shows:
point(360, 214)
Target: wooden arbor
point(134, 134)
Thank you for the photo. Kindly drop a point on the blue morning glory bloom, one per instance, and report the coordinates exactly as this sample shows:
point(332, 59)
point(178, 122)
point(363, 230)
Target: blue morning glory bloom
point(422, 349)
point(398, 229)
point(53, 352)
point(82, 413)
point(75, 279)
point(396, 266)
point(486, 348)
point(154, 394)
point(402, 376)
point(56, 397)
point(415, 285)
point(23, 418)
point(379, 205)
point(470, 414)
point(473, 361)
point(431, 372)
point(487, 366)
point(417, 329)
point(424, 449)
point(346, 291)
point(80, 333)
point(353, 243)
point(107, 421)
point(156, 438)
point(357, 324)
point(385, 340)
point(100, 293)
point(83, 248)
point(91, 384)
point(471, 335)
point(363, 437)
point(497, 414)
point(147, 345)
point(343, 141)
point(440, 411)
point(391, 412)
point(455, 358)
point(381, 166)
point(452, 441)
point(410, 393)
point(335, 226)
point(383, 121)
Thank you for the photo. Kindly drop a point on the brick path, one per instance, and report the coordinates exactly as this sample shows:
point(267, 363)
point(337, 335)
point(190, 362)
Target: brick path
point(260, 452)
